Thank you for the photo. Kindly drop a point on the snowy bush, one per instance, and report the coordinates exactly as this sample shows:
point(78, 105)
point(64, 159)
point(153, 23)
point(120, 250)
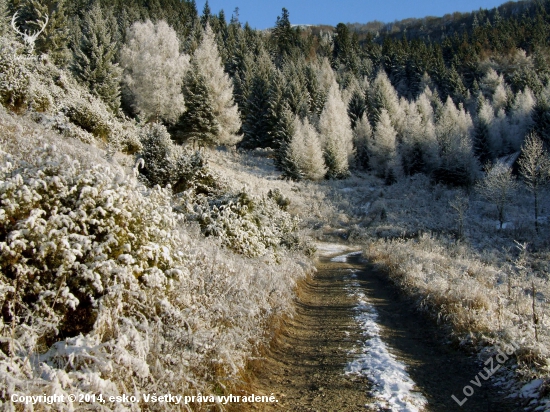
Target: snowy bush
point(165, 163)
point(249, 225)
point(35, 84)
point(104, 288)
point(14, 76)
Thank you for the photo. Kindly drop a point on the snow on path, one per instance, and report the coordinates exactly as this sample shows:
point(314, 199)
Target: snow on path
point(327, 249)
point(393, 388)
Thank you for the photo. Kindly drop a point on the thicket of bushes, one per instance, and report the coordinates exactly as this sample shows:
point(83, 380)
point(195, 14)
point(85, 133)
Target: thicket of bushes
point(106, 289)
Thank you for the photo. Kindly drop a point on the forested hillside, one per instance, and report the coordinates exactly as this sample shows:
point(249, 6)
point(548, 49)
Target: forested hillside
point(143, 245)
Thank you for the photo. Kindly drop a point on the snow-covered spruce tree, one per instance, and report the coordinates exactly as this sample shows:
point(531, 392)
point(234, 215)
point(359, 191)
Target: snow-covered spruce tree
point(316, 92)
point(220, 89)
point(197, 124)
point(497, 187)
point(165, 163)
point(336, 135)
point(157, 154)
point(304, 153)
point(520, 118)
point(427, 139)
point(276, 107)
point(154, 71)
point(383, 96)
point(534, 167)
point(94, 58)
point(411, 148)
point(454, 129)
point(319, 79)
point(484, 147)
point(362, 136)
point(296, 93)
point(283, 131)
point(383, 146)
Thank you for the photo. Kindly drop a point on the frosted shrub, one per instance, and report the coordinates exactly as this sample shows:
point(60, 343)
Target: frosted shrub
point(105, 291)
point(250, 226)
point(35, 84)
point(168, 164)
point(91, 115)
point(14, 76)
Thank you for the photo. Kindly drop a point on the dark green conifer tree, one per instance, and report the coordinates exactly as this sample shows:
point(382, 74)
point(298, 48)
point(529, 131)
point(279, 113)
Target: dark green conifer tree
point(256, 124)
point(197, 124)
point(357, 106)
point(94, 58)
point(55, 39)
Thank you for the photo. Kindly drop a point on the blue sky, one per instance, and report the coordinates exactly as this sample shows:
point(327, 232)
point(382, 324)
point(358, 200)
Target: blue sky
point(262, 14)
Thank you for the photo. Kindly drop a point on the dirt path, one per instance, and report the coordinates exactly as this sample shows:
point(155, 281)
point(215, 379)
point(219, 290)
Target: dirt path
point(305, 364)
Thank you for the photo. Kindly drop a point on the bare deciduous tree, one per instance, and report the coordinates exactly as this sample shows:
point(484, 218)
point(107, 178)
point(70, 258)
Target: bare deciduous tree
point(534, 166)
point(460, 204)
point(497, 187)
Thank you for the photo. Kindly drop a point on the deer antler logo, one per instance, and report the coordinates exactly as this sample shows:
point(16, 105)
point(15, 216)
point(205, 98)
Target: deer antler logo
point(29, 38)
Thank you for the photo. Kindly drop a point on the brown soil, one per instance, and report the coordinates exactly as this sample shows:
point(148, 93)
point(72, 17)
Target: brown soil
point(305, 365)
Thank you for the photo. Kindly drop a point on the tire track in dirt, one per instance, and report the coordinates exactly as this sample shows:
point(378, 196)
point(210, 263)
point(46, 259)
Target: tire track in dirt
point(304, 367)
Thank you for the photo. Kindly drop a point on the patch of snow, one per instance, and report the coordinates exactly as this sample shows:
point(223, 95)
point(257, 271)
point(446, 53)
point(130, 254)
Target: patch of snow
point(393, 388)
point(344, 258)
point(531, 390)
point(327, 249)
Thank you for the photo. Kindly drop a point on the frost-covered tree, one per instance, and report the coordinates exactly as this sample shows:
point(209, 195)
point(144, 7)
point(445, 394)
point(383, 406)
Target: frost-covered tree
point(534, 167)
point(154, 70)
point(283, 130)
point(220, 89)
point(276, 106)
point(541, 115)
point(454, 135)
point(383, 146)
point(501, 96)
point(497, 187)
point(411, 148)
point(362, 136)
point(94, 58)
point(324, 77)
point(383, 96)
point(296, 93)
point(304, 153)
point(336, 135)
point(520, 118)
point(357, 106)
point(427, 140)
point(490, 83)
point(484, 147)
